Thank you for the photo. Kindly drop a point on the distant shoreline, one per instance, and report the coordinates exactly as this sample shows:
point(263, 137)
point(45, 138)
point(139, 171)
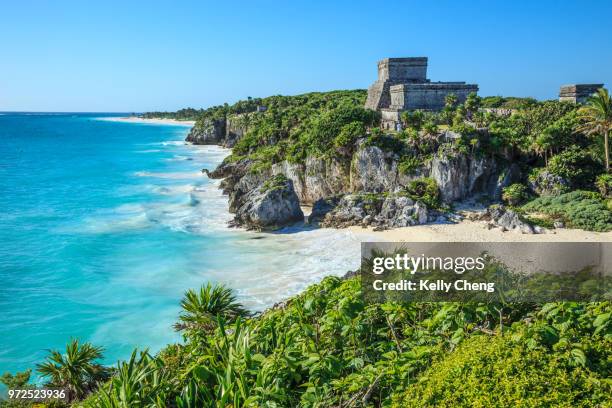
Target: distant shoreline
point(134, 119)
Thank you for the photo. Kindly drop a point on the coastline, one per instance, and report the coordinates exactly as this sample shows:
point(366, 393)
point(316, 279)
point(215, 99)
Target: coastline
point(134, 119)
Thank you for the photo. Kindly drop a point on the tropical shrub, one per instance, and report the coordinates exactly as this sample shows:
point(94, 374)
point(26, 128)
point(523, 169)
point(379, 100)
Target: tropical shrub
point(426, 190)
point(349, 134)
point(77, 370)
point(579, 209)
point(413, 119)
point(505, 371)
point(205, 308)
point(604, 184)
point(409, 165)
point(576, 166)
point(515, 194)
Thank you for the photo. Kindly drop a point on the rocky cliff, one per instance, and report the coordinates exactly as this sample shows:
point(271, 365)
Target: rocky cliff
point(367, 169)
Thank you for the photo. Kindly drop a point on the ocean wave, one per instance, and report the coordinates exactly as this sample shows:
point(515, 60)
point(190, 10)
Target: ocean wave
point(172, 143)
point(173, 190)
point(180, 158)
point(148, 151)
point(170, 175)
point(282, 265)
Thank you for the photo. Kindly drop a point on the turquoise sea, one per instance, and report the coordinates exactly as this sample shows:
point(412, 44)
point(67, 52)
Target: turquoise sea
point(104, 224)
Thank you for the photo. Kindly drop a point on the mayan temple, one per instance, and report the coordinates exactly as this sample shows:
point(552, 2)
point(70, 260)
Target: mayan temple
point(402, 85)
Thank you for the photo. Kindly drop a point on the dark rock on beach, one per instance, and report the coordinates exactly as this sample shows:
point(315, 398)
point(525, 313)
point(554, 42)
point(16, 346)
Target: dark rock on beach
point(508, 220)
point(376, 210)
point(269, 206)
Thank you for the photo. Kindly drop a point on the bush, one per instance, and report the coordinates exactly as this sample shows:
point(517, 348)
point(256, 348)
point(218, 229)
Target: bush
point(408, 165)
point(277, 182)
point(515, 194)
point(426, 190)
point(349, 134)
point(501, 372)
point(604, 184)
point(579, 209)
point(413, 119)
point(388, 143)
point(574, 165)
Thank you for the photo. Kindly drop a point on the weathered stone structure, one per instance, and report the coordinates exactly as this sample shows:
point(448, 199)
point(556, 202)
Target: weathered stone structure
point(402, 85)
point(578, 93)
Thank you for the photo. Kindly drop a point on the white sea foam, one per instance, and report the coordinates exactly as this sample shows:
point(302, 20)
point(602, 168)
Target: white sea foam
point(281, 265)
point(171, 175)
point(179, 158)
point(263, 268)
point(173, 190)
point(149, 151)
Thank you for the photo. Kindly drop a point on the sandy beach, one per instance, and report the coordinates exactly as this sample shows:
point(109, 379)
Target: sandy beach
point(134, 119)
point(476, 231)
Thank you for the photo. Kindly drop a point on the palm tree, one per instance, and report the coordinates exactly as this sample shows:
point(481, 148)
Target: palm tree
point(597, 118)
point(203, 308)
point(76, 370)
point(542, 145)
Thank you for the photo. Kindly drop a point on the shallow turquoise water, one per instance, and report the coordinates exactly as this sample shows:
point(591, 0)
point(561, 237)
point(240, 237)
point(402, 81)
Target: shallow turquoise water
point(104, 225)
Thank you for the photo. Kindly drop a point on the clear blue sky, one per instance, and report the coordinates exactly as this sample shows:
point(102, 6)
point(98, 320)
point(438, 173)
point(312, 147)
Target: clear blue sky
point(139, 56)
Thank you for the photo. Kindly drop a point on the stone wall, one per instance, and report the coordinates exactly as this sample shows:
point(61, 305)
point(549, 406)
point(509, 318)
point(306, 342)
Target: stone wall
point(403, 85)
point(403, 69)
point(428, 96)
point(577, 93)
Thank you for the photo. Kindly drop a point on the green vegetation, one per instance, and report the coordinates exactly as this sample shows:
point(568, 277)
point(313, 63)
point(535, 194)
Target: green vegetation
point(576, 166)
point(326, 348)
point(578, 209)
point(426, 190)
point(604, 184)
point(560, 147)
point(182, 114)
point(275, 183)
point(597, 119)
point(409, 165)
point(515, 194)
point(293, 127)
point(203, 309)
point(76, 370)
point(508, 103)
point(512, 371)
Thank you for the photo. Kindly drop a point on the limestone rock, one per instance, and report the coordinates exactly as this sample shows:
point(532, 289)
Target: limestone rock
point(377, 211)
point(451, 175)
point(321, 207)
point(401, 212)
point(373, 170)
point(509, 176)
point(212, 132)
point(508, 220)
point(271, 205)
point(547, 184)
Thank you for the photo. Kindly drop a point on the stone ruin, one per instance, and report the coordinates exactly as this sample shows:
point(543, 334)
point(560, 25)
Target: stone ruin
point(578, 93)
point(403, 85)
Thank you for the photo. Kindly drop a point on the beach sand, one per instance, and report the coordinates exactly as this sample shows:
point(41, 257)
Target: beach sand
point(133, 119)
point(475, 231)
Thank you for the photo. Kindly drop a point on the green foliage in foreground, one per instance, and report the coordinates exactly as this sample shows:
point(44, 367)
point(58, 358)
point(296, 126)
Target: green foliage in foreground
point(505, 372)
point(578, 209)
point(327, 348)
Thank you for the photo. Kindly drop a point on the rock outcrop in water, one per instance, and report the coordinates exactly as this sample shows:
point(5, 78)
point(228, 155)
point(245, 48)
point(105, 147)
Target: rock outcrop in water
point(223, 132)
point(211, 132)
point(270, 205)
